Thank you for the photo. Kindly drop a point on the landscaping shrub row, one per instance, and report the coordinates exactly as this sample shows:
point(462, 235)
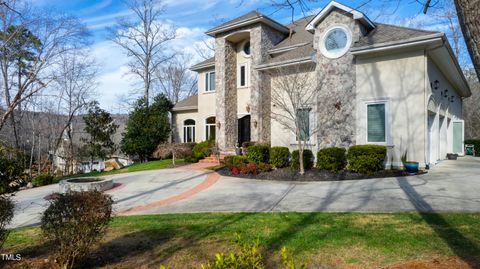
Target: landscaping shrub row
point(364, 159)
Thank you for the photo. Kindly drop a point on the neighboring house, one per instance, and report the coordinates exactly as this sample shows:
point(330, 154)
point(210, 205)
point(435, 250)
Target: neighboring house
point(400, 87)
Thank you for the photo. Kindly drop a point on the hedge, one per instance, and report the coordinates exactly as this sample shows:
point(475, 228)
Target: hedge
point(43, 180)
point(279, 157)
point(233, 160)
point(258, 153)
point(202, 150)
point(332, 159)
point(307, 159)
point(366, 159)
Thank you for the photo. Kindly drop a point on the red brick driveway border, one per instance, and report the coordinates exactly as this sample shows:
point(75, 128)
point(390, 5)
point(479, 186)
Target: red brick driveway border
point(212, 178)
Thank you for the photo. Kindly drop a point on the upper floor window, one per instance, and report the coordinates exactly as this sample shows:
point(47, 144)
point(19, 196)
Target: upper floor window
point(210, 81)
point(246, 48)
point(242, 80)
point(335, 42)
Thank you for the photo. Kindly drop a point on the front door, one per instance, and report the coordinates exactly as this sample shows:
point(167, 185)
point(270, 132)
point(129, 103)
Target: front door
point(243, 130)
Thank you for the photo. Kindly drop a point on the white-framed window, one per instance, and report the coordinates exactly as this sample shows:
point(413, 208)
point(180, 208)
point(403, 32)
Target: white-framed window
point(336, 42)
point(210, 126)
point(188, 131)
point(210, 81)
point(377, 125)
point(246, 48)
point(242, 75)
point(304, 124)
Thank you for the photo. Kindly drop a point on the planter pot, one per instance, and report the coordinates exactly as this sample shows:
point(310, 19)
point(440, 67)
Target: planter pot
point(238, 151)
point(452, 156)
point(411, 167)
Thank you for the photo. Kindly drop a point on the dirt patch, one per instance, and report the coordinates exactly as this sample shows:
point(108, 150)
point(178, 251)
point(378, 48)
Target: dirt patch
point(288, 174)
point(437, 263)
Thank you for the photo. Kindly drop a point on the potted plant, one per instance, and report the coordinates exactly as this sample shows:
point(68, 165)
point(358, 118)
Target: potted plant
point(410, 167)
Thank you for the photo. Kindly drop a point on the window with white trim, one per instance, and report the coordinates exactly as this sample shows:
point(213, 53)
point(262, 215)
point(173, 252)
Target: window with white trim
point(210, 128)
point(210, 81)
point(188, 131)
point(376, 122)
point(303, 118)
point(242, 77)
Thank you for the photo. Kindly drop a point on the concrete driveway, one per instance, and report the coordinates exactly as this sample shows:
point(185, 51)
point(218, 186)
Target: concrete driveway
point(449, 186)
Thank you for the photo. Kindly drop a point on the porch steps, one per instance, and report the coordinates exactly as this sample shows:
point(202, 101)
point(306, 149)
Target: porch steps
point(212, 159)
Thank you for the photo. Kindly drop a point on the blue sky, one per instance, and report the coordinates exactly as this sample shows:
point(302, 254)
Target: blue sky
point(192, 18)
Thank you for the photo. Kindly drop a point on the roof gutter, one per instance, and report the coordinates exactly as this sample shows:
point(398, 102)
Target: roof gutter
point(185, 108)
point(405, 44)
point(284, 63)
point(202, 66)
point(263, 19)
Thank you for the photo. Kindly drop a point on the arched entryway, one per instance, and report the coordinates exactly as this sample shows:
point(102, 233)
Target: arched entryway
point(243, 129)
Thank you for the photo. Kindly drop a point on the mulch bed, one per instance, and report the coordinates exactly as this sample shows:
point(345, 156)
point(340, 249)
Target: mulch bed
point(288, 174)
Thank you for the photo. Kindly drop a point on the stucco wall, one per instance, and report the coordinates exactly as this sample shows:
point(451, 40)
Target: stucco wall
point(178, 118)
point(399, 79)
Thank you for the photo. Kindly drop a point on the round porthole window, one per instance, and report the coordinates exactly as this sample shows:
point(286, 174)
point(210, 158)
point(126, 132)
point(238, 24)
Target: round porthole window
point(246, 48)
point(335, 42)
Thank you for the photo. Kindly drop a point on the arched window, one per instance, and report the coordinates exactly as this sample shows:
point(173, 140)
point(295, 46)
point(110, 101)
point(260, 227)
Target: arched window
point(188, 131)
point(210, 128)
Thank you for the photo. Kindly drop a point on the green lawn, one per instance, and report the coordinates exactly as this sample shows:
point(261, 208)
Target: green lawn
point(159, 164)
point(326, 240)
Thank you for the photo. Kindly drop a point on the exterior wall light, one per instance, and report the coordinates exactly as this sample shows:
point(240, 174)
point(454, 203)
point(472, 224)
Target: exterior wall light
point(255, 123)
point(247, 108)
point(436, 84)
point(219, 125)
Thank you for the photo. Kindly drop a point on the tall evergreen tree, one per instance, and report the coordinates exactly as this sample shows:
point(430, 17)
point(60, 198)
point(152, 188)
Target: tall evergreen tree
point(100, 128)
point(147, 126)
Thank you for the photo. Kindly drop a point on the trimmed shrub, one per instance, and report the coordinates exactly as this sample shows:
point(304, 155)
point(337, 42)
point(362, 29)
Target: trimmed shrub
point(307, 159)
point(165, 151)
point(247, 144)
point(259, 153)
point(235, 160)
point(279, 157)
point(6, 216)
point(43, 180)
point(202, 149)
point(476, 145)
point(366, 159)
point(332, 159)
point(75, 221)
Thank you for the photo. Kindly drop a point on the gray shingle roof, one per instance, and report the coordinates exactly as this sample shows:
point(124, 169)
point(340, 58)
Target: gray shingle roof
point(249, 16)
point(299, 35)
point(386, 33)
point(204, 64)
point(189, 103)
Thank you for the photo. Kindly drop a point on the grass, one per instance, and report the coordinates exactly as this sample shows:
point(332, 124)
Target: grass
point(152, 165)
point(324, 240)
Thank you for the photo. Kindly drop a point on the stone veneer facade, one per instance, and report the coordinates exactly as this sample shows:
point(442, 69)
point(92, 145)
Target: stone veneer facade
point(262, 38)
point(336, 98)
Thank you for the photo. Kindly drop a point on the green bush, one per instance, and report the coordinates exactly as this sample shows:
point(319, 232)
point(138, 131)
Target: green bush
point(235, 160)
point(75, 222)
point(332, 159)
point(11, 169)
point(259, 153)
point(366, 159)
point(43, 180)
point(307, 159)
point(476, 145)
point(202, 149)
point(247, 144)
point(6, 215)
point(279, 157)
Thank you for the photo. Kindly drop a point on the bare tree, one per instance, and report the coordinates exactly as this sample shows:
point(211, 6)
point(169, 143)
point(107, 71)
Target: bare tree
point(294, 99)
point(31, 45)
point(471, 113)
point(205, 49)
point(75, 85)
point(175, 80)
point(143, 36)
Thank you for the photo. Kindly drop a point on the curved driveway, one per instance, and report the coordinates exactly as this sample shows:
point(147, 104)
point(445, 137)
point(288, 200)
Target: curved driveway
point(449, 186)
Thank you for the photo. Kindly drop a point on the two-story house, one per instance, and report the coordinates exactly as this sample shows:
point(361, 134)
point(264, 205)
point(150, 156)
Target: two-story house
point(400, 87)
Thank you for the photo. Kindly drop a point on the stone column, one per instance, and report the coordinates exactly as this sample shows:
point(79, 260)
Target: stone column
point(226, 94)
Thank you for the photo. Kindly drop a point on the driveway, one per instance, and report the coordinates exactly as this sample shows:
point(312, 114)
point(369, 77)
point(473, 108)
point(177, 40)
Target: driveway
point(449, 186)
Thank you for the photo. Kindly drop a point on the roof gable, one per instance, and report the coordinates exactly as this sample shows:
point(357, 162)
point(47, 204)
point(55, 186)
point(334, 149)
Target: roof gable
point(357, 15)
